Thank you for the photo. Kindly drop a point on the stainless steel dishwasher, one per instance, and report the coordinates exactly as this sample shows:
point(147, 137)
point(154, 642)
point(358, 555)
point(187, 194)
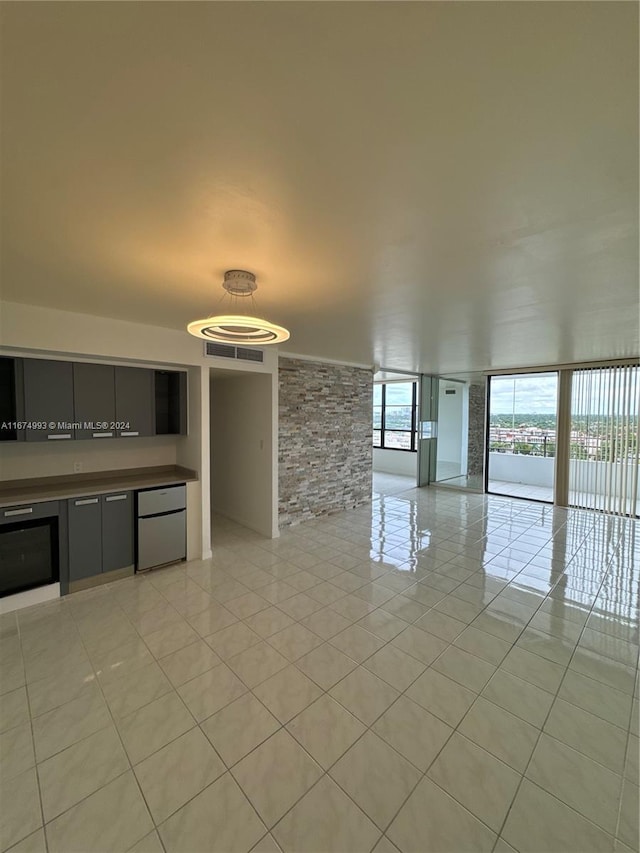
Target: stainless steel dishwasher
point(162, 527)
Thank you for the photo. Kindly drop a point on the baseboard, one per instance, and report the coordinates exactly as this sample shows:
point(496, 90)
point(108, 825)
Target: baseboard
point(30, 597)
point(99, 580)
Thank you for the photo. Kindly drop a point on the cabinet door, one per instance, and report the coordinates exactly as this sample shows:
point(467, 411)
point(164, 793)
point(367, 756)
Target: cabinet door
point(135, 401)
point(85, 537)
point(48, 398)
point(117, 531)
point(94, 399)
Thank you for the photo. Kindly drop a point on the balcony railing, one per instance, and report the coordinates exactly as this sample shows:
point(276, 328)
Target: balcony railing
point(521, 443)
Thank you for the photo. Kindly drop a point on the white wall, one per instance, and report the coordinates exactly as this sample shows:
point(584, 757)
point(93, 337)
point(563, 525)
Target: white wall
point(22, 459)
point(37, 331)
point(241, 440)
point(594, 478)
point(519, 468)
point(598, 478)
point(395, 461)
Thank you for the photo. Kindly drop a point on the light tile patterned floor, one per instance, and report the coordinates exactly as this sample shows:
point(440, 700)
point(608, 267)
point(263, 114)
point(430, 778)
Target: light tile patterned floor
point(437, 671)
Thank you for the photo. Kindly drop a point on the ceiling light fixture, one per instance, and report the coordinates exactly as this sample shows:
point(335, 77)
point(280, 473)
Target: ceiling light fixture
point(235, 327)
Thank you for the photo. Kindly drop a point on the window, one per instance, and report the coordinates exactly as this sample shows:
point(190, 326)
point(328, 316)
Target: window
point(394, 415)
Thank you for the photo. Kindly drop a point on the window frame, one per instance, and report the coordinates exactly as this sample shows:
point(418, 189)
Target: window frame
point(383, 428)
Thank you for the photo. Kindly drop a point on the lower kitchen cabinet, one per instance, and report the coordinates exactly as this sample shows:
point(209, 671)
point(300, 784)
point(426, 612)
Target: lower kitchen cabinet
point(117, 531)
point(100, 535)
point(85, 537)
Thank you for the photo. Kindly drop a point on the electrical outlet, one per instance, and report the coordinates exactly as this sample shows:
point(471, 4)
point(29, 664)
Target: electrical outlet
point(77, 467)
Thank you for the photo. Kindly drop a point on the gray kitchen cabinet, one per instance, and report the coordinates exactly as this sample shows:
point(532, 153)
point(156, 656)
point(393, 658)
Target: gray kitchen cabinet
point(135, 401)
point(94, 397)
point(117, 531)
point(48, 399)
point(84, 400)
point(85, 537)
point(100, 534)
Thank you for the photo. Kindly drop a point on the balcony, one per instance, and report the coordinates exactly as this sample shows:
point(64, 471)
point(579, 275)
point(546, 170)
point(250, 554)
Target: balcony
point(524, 476)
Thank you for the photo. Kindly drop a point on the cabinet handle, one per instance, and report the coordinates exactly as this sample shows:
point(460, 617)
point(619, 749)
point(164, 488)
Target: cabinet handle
point(123, 434)
point(116, 498)
point(87, 501)
point(102, 435)
point(25, 511)
point(54, 437)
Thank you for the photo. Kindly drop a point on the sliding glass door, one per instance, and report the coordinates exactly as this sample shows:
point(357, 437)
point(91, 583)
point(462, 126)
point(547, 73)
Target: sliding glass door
point(572, 442)
point(522, 427)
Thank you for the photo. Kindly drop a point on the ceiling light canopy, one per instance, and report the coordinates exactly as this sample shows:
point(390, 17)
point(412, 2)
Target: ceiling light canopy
point(236, 327)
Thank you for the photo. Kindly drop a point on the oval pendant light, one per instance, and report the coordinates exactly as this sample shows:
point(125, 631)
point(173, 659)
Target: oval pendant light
point(237, 328)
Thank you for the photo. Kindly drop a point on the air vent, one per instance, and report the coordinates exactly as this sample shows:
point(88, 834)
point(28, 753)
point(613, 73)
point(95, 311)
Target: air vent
point(449, 390)
point(226, 351)
point(219, 350)
point(250, 354)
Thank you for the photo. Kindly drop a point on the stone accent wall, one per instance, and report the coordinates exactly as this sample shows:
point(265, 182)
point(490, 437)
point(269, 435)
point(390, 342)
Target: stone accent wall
point(324, 438)
point(475, 450)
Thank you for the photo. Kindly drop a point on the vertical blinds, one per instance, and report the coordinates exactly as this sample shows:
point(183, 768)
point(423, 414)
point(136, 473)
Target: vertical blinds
point(604, 450)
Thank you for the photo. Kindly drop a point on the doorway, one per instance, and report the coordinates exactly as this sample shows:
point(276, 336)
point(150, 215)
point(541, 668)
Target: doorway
point(453, 429)
point(243, 458)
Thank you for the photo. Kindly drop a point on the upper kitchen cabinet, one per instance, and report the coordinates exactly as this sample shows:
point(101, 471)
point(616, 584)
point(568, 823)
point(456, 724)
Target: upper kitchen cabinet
point(135, 401)
point(170, 402)
point(94, 395)
point(48, 399)
point(82, 400)
point(11, 408)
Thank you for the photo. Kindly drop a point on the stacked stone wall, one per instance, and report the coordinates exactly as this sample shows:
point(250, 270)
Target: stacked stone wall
point(476, 444)
point(324, 438)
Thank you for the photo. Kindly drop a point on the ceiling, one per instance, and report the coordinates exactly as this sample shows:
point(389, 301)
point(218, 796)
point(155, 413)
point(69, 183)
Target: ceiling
point(433, 186)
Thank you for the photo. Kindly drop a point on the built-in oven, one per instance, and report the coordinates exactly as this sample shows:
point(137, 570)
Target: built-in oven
point(29, 547)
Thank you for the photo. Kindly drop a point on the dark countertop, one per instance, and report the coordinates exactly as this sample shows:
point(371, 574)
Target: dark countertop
point(38, 489)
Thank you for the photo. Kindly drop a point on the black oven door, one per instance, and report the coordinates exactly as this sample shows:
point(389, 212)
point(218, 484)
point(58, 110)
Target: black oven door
point(28, 554)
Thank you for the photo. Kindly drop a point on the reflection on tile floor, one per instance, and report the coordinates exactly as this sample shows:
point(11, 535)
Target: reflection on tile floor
point(391, 484)
point(437, 671)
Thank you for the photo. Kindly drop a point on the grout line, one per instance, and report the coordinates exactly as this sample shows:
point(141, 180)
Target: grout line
point(33, 746)
point(566, 669)
point(130, 769)
point(184, 619)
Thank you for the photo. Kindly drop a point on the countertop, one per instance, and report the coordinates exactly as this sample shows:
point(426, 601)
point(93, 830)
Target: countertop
point(38, 489)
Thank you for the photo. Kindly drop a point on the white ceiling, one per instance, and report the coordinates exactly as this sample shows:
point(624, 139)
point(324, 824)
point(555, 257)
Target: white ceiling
point(436, 186)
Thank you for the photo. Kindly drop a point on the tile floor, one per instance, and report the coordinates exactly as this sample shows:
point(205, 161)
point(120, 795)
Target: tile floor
point(438, 671)
point(521, 490)
point(391, 484)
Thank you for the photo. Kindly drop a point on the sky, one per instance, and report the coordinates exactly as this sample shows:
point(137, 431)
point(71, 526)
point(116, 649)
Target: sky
point(398, 394)
point(594, 392)
point(535, 394)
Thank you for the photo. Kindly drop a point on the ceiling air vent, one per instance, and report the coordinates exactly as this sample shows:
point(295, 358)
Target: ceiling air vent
point(219, 350)
point(226, 351)
point(250, 354)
